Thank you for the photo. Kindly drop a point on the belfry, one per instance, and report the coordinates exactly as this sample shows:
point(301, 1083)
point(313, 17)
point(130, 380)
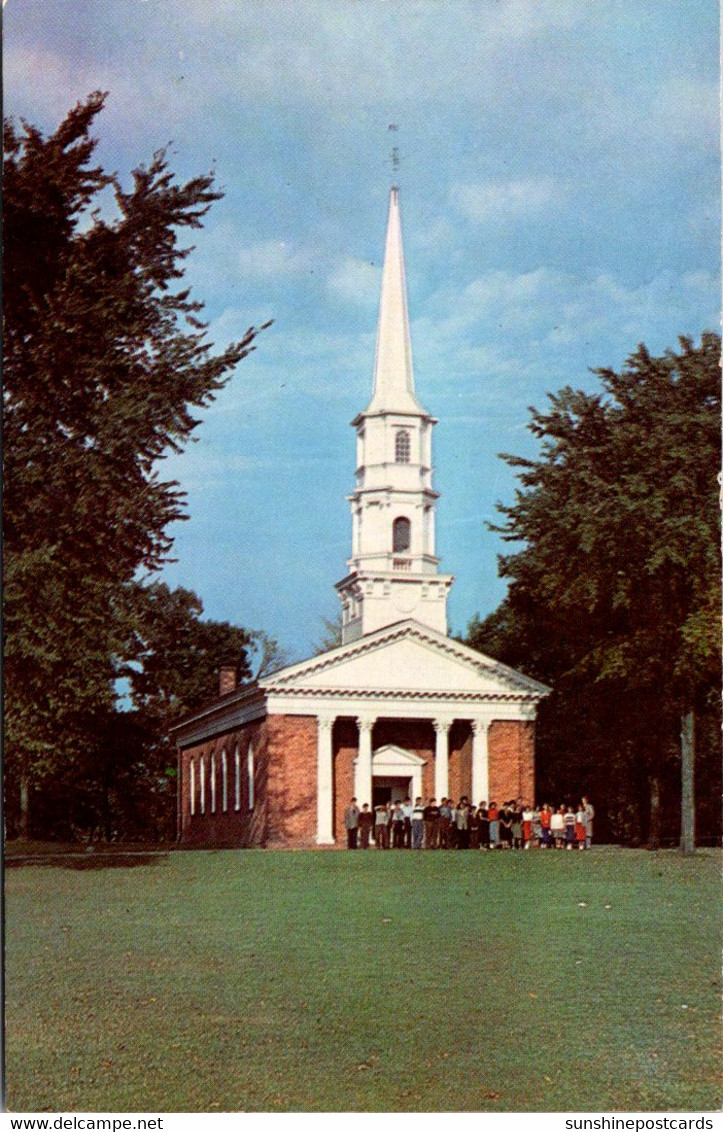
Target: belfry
point(393, 569)
point(398, 709)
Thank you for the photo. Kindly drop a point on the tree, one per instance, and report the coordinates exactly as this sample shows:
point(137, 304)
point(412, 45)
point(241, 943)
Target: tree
point(106, 361)
point(331, 636)
point(122, 785)
point(617, 587)
point(178, 655)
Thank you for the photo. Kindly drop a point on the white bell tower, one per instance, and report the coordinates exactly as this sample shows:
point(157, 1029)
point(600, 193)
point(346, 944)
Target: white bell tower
point(393, 568)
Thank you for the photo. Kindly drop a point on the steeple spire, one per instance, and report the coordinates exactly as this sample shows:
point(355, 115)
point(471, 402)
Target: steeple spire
point(393, 373)
point(393, 569)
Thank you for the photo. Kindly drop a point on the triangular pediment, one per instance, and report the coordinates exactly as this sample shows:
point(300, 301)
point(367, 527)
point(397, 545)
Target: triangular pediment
point(403, 657)
point(391, 756)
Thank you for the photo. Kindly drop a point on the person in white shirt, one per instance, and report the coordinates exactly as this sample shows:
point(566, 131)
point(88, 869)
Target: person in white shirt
point(557, 828)
point(418, 824)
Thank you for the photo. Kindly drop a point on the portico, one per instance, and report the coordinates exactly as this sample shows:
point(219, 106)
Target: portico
point(440, 716)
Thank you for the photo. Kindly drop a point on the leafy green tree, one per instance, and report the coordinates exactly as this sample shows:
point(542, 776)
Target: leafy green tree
point(331, 635)
point(178, 656)
point(106, 363)
point(175, 670)
point(616, 592)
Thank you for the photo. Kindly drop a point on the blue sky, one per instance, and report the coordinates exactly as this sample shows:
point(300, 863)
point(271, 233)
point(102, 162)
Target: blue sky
point(560, 203)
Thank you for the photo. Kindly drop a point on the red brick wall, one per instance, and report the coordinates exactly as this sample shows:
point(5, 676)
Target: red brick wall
point(291, 795)
point(345, 740)
point(284, 810)
point(511, 760)
point(241, 827)
point(460, 760)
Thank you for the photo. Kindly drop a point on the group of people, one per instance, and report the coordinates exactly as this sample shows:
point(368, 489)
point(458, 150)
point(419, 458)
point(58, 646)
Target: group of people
point(462, 825)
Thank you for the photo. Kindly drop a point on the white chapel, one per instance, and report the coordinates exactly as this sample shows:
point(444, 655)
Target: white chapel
point(399, 708)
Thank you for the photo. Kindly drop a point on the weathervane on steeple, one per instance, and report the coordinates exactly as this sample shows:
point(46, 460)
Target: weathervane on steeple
point(395, 155)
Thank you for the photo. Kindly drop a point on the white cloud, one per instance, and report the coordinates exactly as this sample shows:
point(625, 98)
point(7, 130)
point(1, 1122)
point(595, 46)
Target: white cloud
point(518, 18)
point(556, 299)
point(498, 290)
point(505, 334)
point(341, 53)
point(273, 258)
point(496, 202)
point(47, 81)
point(672, 111)
point(355, 280)
point(685, 106)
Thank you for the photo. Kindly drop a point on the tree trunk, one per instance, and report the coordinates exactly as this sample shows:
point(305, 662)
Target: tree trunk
point(654, 828)
point(106, 818)
point(687, 794)
point(25, 808)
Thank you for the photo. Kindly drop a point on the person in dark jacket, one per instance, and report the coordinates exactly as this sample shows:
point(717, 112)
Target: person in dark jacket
point(366, 822)
point(484, 825)
point(473, 822)
point(431, 825)
point(407, 811)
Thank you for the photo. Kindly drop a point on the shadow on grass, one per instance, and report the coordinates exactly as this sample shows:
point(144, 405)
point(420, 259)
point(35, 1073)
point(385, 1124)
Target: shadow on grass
point(86, 861)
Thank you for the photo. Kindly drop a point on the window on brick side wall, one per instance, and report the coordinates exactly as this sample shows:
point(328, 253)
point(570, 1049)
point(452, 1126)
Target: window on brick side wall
point(192, 786)
point(202, 784)
point(250, 774)
point(224, 781)
point(213, 784)
point(237, 779)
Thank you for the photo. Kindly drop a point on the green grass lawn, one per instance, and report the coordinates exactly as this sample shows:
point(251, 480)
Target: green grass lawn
point(271, 981)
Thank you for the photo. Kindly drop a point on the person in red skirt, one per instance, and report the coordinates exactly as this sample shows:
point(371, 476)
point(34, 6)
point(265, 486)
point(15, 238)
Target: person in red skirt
point(526, 825)
point(580, 827)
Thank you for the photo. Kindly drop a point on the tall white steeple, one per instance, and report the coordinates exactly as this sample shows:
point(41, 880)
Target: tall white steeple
point(393, 569)
point(393, 374)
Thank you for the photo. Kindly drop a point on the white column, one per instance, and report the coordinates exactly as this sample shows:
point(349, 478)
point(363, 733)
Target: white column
point(363, 767)
point(416, 783)
point(324, 782)
point(441, 758)
point(480, 762)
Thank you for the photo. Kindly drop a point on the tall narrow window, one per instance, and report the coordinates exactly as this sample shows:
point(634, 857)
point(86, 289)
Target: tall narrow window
point(401, 535)
point(213, 784)
point(192, 785)
point(202, 783)
point(237, 779)
point(402, 447)
point(250, 775)
point(224, 781)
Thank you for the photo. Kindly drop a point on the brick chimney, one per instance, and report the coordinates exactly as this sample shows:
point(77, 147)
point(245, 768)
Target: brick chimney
point(226, 681)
